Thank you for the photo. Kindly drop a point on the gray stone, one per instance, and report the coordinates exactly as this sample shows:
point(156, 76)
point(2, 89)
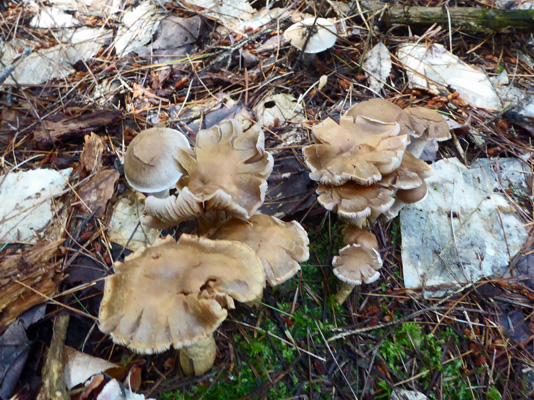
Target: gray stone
point(455, 236)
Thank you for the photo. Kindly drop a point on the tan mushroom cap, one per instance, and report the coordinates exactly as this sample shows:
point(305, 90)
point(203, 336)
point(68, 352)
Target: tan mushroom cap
point(428, 122)
point(410, 175)
point(321, 32)
point(279, 245)
point(356, 265)
point(382, 110)
point(359, 149)
point(355, 202)
point(149, 165)
point(412, 195)
point(177, 293)
point(228, 171)
point(355, 235)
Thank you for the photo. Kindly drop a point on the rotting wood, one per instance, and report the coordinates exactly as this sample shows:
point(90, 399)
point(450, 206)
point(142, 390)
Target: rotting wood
point(54, 386)
point(469, 19)
point(33, 268)
point(61, 126)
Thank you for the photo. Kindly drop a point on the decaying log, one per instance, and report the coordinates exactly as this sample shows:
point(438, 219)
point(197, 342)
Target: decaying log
point(62, 127)
point(468, 19)
point(28, 269)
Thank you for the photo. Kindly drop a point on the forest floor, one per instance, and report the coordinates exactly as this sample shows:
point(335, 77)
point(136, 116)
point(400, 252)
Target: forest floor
point(297, 343)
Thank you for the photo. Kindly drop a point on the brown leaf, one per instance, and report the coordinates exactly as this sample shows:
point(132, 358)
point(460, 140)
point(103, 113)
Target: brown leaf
point(91, 156)
point(97, 192)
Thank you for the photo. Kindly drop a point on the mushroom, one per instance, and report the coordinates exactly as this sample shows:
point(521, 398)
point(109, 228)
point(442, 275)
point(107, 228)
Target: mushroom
point(311, 36)
point(414, 195)
point(149, 165)
point(355, 235)
point(177, 294)
point(354, 202)
point(384, 111)
point(280, 246)
point(355, 265)
point(410, 175)
point(228, 171)
point(408, 181)
point(429, 124)
point(359, 149)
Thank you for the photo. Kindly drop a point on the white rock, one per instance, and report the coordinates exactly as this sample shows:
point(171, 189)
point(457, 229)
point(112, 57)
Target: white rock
point(26, 202)
point(427, 66)
point(407, 395)
point(124, 222)
point(455, 235)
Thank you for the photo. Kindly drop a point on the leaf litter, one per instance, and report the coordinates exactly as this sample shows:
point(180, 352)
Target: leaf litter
point(122, 67)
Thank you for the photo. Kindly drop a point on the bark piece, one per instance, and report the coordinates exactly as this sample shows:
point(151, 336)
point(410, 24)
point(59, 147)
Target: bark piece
point(61, 126)
point(33, 269)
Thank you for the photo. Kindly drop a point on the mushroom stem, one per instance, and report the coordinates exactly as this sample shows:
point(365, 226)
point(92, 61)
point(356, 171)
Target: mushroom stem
point(344, 292)
point(199, 357)
point(308, 59)
point(161, 195)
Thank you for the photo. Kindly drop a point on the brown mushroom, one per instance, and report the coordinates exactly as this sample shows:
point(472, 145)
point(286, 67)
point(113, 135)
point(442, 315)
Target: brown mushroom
point(410, 175)
point(149, 165)
point(228, 171)
point(355, 235)
point(410, 196)
point(359, 149)
point(355, 265)
point(177, 294)
point(385, 111)
point(280, 246)
point(430, 125)
point(355, 202)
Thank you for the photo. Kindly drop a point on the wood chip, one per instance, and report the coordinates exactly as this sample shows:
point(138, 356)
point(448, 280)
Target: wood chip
point(98, 190)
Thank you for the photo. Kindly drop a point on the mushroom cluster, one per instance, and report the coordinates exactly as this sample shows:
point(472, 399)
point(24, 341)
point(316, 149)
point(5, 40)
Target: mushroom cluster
point(178, 293)
point(368, 165)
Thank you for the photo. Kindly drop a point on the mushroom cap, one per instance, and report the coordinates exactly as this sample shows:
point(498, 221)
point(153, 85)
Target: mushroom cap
point(177, 293)
point(355, 235)
point(279, 245)
point(322, 37)
point(228, 171)
point(359, 149)
point(356, 265)
point(428, 122)
point(355, 202)
point(382, 110)
point(149, 165)
point(410, 175)
point(412, 195)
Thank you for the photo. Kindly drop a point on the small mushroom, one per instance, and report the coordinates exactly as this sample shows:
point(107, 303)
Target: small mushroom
point(280, 246)
point(359, 149)
point(429, 124)
point(149, 165)
point(177, 294)
point(355, 235)
point(228, 171)
point(410, 175)
point(355, 265)
point(312, 35)
point(354, 202)
point(414, 195)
